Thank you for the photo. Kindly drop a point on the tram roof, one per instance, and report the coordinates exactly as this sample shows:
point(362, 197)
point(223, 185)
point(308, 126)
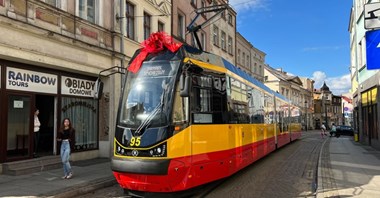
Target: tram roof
point(220, 61)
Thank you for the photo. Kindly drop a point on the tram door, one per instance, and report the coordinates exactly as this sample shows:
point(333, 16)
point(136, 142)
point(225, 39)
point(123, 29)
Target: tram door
point(18, 141)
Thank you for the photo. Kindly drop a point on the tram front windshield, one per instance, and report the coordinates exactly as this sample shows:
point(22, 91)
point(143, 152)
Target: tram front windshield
point(147, 94)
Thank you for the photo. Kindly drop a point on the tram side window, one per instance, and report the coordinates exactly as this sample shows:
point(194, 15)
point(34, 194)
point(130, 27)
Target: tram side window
point(201, 99)
point(219, 100)
point(269, 109)
point(281, 113)
point(209, 99)
point(238, 102)
point(180, 108)
point(256, 106)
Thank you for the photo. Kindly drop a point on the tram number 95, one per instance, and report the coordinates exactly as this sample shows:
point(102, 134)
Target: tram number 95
point(135, 141)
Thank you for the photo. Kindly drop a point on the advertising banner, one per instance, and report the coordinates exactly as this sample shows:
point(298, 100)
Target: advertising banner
point(27, 80)
point(77, 87)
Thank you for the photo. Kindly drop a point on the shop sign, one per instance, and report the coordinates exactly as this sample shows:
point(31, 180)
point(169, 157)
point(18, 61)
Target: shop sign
point(77, 87)
point(371, 15)
point(27, 80)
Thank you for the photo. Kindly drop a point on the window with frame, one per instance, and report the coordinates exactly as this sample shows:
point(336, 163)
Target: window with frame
point(203, 41)
point(130, 20)
point(147, 26)
point(193, 3)
point(238, 58)
point(181, 26)
point(229, 19)
point(161, 26)
point(229, 44)
point(223, 40)
point(216, 35)
point(203, 4)
point(223, 15)
point(83, 114)
point(51, 2)
point(193, 41)
point(87, 9)
point(248, 65)
point(243, 57)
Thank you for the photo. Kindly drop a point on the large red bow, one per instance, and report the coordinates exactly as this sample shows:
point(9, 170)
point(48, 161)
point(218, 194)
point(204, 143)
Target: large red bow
point(155, 43)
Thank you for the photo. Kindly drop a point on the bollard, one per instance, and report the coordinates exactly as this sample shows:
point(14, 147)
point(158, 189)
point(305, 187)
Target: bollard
point(356, 137)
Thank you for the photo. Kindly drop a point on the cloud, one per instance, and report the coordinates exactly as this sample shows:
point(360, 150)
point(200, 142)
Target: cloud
point(245, 5)
point(307, 49)
point(338, 85)
point(319, 77)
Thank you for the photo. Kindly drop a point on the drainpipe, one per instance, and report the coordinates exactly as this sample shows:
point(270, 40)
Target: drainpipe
point(122, 31)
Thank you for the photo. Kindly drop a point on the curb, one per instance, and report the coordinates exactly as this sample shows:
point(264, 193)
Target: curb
point(84, 188)
point(320, 190)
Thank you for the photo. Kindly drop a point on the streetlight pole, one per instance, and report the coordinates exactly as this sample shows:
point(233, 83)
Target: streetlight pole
point(325, 109)
point(343, 117)
point(306, 107)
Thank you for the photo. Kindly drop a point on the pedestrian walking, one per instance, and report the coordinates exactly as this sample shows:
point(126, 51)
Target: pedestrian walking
point(323, 130)
point(333, 131)
point(66, 135)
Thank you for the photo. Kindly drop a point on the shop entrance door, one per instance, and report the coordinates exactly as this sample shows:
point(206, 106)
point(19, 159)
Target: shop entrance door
point(46, 106)
point(18, 126)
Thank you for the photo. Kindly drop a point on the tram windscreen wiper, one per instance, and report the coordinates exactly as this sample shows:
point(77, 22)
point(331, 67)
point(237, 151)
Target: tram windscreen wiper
point(150, 117)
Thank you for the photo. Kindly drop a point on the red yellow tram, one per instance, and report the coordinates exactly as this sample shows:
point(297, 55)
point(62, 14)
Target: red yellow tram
point(188, 117)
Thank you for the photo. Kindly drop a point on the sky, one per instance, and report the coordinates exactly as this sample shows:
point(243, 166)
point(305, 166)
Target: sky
point(304, 38)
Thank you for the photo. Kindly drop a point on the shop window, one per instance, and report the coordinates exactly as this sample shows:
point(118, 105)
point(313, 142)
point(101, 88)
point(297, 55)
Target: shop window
point(83, 114)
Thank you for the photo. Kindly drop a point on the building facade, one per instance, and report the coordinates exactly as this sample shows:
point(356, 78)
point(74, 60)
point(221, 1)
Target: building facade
point(292, 88)
point(249, 59)
point(184, 13)
point(308, 85)
point(223, 33)
point(51, 53)
point(365, 82)
point(327, 108)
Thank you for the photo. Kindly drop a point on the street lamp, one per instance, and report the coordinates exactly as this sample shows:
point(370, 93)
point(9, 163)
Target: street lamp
point(306, 114)
point(324, 106)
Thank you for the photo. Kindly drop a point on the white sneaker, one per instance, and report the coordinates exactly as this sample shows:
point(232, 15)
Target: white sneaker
point(64, 177)
point(69, 176)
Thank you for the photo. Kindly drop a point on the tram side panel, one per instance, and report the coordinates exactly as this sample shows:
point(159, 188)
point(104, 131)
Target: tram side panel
point(212, 151)
point(219, 151)
point(296, 129)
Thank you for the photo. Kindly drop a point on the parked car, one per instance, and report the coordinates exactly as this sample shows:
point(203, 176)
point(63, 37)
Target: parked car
point(345, 130)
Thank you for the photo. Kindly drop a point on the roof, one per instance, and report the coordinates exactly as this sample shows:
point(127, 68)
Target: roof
point(221, 62)
point(283, 75)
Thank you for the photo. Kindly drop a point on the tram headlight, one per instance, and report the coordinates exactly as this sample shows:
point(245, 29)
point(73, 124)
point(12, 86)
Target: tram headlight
point(158, 151)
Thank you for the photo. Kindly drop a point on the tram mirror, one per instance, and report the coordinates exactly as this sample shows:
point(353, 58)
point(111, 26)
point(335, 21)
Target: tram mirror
point(98, 89)
point(184, 85)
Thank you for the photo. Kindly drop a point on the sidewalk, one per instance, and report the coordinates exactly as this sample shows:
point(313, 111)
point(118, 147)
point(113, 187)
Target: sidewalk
point(88, 175)
point(348, 169)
